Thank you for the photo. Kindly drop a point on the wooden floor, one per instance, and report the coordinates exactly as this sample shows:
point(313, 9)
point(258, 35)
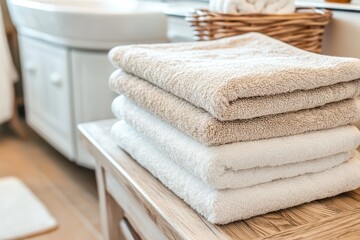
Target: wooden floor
point(68, 191)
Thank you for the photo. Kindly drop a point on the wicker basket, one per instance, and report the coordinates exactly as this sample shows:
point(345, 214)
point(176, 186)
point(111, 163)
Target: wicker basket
point(303, 29)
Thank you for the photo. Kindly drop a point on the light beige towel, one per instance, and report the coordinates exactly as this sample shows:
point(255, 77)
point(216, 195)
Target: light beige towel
point(206, 129)
point(214, 74)
point(268, 105)
point(224, 206)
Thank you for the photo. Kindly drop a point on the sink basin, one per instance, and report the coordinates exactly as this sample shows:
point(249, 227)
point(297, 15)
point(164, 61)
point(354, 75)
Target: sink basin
point(94, 24)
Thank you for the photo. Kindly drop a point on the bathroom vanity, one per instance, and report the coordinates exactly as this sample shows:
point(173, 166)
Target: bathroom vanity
point(65, 70)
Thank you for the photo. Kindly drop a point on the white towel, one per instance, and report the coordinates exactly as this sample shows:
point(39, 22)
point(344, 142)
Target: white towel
point(218, 176)
point(7, 76)
point(212, 5)
point(257, 6)
point(238, 6)
point(219, 5)
point(279, 7)
point(224, 206)
point(222, 166)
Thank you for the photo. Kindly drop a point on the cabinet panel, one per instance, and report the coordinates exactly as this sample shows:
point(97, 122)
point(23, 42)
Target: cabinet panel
point(92, 96)
point(47, 93)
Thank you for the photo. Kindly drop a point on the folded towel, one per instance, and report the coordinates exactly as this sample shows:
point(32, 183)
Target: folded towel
point(206, 129)
point(231, 165)
point(238, 6)
point(216, 174)
point(212, 5)
point(278, 6)
point(213, 74)
point(266, 105)
point(224, 206)
point(219, 5)
point(257, 6)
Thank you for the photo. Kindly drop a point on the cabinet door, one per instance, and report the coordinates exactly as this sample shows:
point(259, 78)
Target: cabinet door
point(47, 93)
point(92, 97)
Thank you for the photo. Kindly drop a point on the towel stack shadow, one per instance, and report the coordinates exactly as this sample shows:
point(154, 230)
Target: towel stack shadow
point(241, 126)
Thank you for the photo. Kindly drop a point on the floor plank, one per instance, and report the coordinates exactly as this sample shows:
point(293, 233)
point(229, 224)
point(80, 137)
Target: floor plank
point(68, 191)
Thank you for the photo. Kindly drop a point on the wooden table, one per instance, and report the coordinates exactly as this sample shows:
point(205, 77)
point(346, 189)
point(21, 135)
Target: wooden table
point(135, 205)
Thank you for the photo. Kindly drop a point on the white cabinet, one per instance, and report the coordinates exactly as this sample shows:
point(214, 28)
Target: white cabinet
point(64, 87)
point(48, 93)
point(92, 96)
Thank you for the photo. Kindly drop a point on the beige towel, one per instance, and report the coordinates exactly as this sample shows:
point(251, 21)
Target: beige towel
point(214, 74)
point(224, 206)
point(246, 108)
point(206, 129)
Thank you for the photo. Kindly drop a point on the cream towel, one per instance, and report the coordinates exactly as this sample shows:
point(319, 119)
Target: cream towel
point(231, 165)
point(238, 6)
point(224, 206)
point(213, 74)
point(258, 6)
point(261, 106)
point(278, 6)
point(206, 129)
point(212, 5)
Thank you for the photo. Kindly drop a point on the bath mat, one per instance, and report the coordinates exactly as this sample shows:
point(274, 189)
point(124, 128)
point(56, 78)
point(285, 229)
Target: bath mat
point(21, 212)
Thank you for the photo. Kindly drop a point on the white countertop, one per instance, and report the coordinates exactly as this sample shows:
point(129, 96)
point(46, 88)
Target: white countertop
point(181, 8)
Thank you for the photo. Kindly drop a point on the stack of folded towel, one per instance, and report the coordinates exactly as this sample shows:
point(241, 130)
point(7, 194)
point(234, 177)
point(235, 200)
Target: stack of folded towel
point(241, 126)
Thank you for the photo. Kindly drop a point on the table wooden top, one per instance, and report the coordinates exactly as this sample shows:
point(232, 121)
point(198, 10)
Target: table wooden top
point(331, 218)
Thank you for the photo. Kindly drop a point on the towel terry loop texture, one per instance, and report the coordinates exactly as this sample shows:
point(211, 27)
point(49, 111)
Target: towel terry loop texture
point(241, 126)
point(243, 164)
point(205, 128)
point(224, 206)
point(212, 75)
